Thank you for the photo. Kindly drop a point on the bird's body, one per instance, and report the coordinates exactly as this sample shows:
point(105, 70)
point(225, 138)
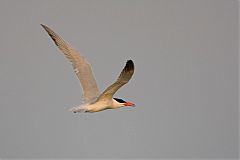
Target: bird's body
point(97, 106)
point(93, 101)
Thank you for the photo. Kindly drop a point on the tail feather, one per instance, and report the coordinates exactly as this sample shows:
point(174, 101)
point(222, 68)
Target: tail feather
point(77, 109)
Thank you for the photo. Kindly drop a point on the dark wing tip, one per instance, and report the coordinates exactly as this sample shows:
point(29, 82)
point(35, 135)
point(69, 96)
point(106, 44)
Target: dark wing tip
point(44, 26)
point(129, 65)
point(51, 33)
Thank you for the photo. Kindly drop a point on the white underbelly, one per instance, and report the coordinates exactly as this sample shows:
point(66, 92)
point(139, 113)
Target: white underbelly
point(99, 106)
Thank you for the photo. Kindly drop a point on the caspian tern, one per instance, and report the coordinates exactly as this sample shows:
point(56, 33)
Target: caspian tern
point(92, 100)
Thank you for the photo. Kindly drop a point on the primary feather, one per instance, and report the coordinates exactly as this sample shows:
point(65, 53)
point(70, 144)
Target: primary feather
point(80, 65)
point(123, 78)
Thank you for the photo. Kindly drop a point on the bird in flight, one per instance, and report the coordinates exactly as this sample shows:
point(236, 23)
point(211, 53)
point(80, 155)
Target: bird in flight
point(92, 100)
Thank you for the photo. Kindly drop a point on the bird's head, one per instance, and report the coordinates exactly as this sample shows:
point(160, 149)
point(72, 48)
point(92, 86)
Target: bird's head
point(123, 103)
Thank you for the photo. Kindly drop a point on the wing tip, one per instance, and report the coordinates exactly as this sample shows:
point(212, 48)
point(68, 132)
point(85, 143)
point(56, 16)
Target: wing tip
point(129, 65)
point(129, 61)
point(51, 33)
point(44, 26)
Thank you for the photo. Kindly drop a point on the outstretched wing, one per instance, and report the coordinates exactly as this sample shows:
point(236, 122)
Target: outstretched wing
point(80, 65)
point(123, 78)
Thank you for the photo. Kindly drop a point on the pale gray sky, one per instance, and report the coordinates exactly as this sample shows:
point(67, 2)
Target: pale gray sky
point(185, 83)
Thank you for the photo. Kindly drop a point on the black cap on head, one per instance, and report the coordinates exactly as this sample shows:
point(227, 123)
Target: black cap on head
point(119, 100)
